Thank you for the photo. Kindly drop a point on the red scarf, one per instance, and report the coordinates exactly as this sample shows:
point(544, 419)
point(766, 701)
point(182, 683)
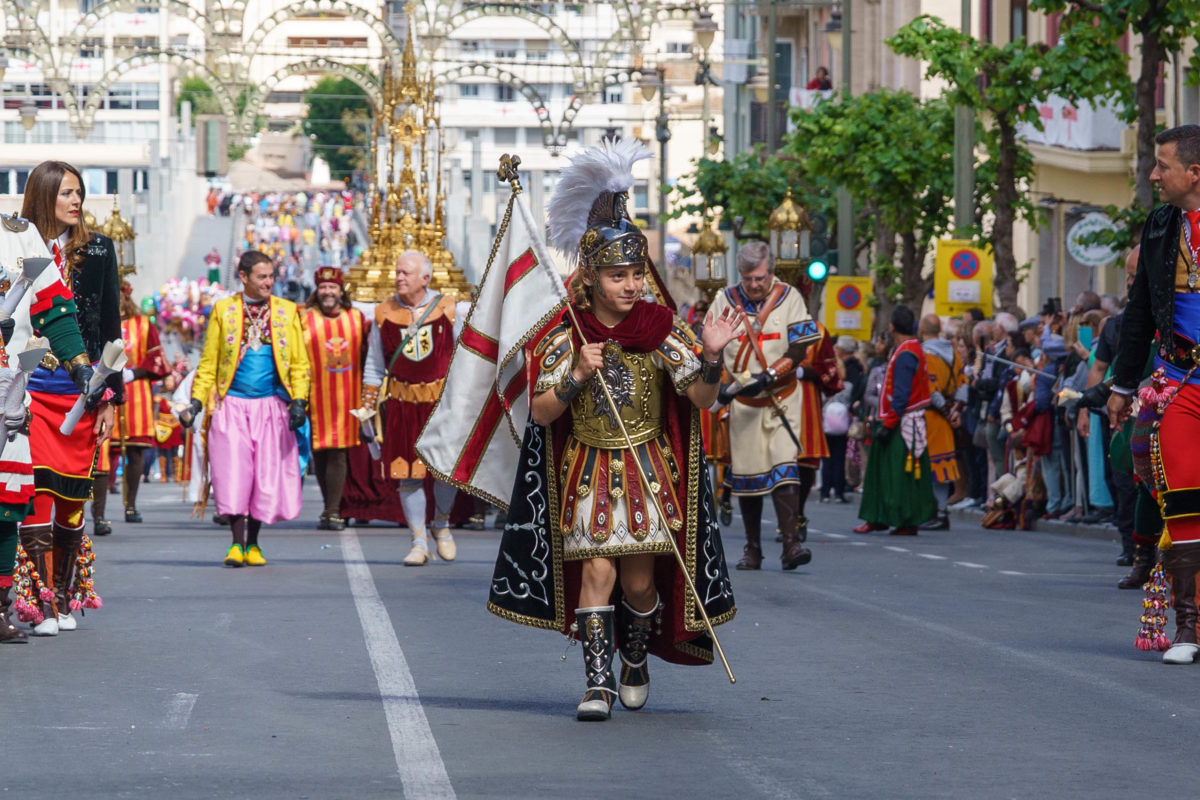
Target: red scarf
point(642, 331)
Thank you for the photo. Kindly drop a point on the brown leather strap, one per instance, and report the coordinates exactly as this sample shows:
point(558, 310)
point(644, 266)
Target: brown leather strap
point(768, 305)
point(764, 402)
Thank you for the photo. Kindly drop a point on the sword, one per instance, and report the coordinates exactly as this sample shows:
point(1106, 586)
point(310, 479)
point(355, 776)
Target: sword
point(1005, 361)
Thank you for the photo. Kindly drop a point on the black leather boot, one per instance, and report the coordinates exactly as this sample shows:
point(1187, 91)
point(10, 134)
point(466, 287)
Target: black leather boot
point(596, 626)
point(1143, 563)
point(636, 629)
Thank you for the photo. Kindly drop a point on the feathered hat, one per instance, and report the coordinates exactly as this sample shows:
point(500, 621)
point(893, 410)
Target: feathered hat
point(587, 216)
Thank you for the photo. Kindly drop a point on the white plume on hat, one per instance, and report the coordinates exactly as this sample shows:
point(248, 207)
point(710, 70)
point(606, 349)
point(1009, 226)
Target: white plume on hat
point(605, 168)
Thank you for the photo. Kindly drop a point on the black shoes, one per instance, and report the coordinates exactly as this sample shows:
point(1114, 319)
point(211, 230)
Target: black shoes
point(939, 523)
point(101, 527)
point(133, 515)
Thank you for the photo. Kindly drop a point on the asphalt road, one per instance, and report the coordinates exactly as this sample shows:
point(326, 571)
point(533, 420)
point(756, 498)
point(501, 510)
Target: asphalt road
point(967, 663)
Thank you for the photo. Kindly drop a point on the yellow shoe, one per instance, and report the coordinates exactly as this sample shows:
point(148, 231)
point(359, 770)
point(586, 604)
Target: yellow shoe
point(234, 557)
point(254, 557)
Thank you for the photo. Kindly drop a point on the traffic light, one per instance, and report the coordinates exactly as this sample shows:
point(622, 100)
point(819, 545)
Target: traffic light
point(818, 270)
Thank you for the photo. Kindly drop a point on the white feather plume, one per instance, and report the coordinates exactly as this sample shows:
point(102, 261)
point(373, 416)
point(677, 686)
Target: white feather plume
point(606, 168)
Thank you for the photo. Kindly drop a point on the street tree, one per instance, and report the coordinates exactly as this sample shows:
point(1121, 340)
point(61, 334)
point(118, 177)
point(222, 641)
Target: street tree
point(1005, 84)
point(336, 119)
point(892, 153)
point(1164, 28)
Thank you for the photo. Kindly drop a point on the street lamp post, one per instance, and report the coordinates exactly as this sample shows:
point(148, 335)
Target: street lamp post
point(704, 30)
point(839, 33)
point(790, 230)
point(708, 261)
point(651, 84)
point(121, 232)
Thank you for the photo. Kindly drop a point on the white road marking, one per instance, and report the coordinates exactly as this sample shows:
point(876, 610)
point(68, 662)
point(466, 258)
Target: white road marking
point(417, 756)
point(179, 711)
point(931, 556)
point(970, 564)
point(857, 544)
point(896, 549)
point(830, 535)
point(1011, 572)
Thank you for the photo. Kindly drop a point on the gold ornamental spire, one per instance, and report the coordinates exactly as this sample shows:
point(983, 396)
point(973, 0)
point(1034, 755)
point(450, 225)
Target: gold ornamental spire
point(408, 153)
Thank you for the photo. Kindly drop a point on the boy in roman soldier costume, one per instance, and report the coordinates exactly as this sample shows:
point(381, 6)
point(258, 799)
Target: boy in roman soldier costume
point(583, 527)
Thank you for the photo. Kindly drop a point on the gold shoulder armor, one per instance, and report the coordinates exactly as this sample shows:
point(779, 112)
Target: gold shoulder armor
point(14, 223)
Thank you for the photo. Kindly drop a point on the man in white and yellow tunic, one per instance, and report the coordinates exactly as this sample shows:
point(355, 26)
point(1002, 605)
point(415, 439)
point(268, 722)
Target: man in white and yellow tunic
point(765, 392)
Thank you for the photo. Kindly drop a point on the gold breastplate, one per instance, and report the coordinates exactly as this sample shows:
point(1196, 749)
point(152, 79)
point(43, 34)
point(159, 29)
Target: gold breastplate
point(636, 386)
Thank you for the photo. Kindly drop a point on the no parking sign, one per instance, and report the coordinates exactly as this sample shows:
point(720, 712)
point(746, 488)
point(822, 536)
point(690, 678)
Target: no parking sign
point(962, 278)
point(847, 311)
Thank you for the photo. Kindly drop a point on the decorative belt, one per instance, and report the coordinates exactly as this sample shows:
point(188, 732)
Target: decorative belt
point(765, 402)
point(416, 392)
point(1184, 354)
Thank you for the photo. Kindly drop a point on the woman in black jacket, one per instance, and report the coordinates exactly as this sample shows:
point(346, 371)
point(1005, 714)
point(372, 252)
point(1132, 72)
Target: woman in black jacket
point(63, 464)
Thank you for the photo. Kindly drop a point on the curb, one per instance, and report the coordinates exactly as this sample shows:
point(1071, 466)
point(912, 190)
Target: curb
point(1100, 533)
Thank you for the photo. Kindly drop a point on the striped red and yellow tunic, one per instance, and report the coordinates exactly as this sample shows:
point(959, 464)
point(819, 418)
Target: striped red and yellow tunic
point(335, 351)
point(135, 420)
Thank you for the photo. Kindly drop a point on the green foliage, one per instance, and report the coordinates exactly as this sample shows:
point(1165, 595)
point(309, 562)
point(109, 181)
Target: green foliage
point(200, 95)
point(1019, 76)
point(337, 108)
point(749, 186)
point(893, 153)
point(1165, 27)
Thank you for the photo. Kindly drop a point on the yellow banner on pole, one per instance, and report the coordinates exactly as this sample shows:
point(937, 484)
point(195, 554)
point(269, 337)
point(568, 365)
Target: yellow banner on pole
point(847, 312)
point(962, 277)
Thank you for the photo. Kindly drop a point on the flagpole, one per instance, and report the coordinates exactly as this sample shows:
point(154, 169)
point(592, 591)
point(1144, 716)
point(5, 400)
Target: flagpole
point(508, 173)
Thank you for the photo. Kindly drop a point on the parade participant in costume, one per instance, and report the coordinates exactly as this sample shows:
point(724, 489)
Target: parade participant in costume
point(897, 491)
point(818, 378)
point(135, 431)
point(1165, 300)
point(48, 308)
point(945, 378)
point(63, 465)
point(597, 537)
point(335, 334)
point(407, 360)
point(770, 425)
point(255, 359)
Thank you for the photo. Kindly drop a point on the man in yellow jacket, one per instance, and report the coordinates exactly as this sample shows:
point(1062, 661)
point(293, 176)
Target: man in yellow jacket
point(254, 358)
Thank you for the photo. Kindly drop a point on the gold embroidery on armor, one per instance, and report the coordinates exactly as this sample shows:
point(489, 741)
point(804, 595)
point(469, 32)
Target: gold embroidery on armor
point(636, 385)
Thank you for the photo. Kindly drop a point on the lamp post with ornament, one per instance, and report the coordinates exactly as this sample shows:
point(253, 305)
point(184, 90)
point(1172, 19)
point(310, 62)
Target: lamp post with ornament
point(121, 232)
point(789, 227)
point(708, 261)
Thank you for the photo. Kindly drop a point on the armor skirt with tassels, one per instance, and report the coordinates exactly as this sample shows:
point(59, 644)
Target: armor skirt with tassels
point(606, 510)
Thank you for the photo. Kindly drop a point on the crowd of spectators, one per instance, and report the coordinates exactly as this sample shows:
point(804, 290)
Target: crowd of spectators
point(301, 231)
point(1032, 441)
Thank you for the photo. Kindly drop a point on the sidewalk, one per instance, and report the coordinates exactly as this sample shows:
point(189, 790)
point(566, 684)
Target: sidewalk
point(1102, 533)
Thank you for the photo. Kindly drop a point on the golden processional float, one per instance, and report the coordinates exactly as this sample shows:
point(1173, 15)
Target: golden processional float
point(407, 200)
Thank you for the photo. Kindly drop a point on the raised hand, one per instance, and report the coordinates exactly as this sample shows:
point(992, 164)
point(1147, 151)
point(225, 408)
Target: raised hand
point(720, 331)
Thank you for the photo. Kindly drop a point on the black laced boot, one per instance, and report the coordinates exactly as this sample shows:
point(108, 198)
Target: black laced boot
point(596, 635)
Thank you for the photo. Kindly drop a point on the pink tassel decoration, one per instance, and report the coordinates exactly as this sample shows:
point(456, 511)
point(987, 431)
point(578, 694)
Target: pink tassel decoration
point(1151, 636)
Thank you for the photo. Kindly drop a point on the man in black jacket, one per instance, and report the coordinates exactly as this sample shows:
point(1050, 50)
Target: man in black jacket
point(1165, 301)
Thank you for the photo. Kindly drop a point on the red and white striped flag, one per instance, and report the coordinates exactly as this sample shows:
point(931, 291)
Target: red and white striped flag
point(473, 438)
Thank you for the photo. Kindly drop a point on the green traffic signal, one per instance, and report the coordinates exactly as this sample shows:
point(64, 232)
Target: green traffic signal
point(818, 270)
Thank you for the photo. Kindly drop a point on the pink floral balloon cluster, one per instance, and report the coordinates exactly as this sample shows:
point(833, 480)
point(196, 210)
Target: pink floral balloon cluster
point(183, 305)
